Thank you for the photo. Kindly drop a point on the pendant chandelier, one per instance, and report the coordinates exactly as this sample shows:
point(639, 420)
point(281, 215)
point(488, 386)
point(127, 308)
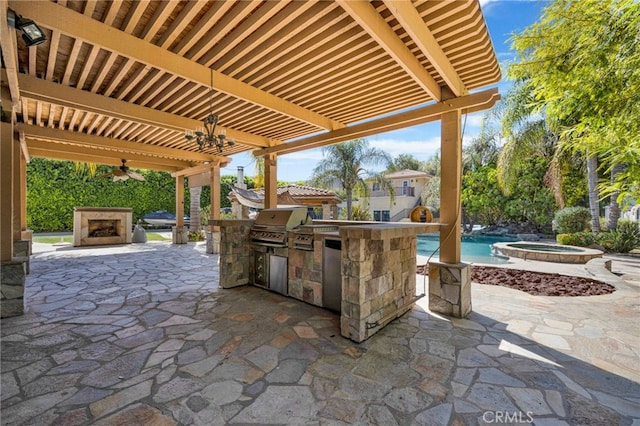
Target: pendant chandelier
point(206, 136)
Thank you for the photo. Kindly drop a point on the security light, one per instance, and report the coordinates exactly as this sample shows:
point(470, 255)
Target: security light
point(32, 34)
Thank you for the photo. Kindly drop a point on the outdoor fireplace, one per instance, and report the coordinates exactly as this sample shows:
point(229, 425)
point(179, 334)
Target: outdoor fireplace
point(101, 226)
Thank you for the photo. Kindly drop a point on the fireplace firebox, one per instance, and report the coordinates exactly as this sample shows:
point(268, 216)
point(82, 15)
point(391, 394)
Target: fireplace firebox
point(101, 226)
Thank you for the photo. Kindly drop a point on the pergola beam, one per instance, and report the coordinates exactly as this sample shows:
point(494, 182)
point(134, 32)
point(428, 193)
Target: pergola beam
point(99, 142)
point(133, 158)
point(93, 32)
point(195, 170)
point(9, 55)
point(45, 91)
point(370, 20)
point(97, 159)
point(466, 104)
point(409, 18)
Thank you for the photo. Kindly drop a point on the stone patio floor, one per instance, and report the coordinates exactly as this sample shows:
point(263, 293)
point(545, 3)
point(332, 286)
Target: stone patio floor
point(142, 335)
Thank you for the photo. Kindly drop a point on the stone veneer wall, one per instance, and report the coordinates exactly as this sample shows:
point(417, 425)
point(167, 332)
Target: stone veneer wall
point(305, 272)
point(450, 288)
point(235, 256)
point(378, 277)
point(13, 275)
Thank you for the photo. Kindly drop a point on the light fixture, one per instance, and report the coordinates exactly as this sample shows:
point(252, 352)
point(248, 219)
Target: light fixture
point(32, 34)
point(206, 136)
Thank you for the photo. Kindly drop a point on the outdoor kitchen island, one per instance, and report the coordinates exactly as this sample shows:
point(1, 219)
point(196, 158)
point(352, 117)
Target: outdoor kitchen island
point(377, 265)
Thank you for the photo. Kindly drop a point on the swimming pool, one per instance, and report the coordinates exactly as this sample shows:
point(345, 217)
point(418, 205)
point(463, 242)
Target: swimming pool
point(474, 248)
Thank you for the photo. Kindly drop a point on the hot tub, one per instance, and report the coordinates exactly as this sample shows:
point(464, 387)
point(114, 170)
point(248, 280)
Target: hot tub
point(547, 252)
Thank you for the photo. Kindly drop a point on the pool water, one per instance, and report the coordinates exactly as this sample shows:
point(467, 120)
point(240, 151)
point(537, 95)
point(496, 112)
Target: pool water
point(473, 249)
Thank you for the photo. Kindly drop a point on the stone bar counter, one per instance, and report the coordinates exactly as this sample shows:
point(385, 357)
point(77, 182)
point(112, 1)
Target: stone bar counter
point(378, 268)
point(378, 275)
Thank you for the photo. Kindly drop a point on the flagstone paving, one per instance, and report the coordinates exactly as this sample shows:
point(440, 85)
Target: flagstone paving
point(141, 334)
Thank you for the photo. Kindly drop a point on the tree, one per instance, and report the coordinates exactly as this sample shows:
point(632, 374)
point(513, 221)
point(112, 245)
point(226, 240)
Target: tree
point(344, 167)
point(405, 162)
point(582, 63)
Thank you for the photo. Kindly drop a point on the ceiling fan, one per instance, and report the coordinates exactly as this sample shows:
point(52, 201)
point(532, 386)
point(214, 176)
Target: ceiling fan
point(123, 173)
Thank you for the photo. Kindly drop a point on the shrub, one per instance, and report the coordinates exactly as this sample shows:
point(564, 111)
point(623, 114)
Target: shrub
point(626, 237)
point(196, 236)
point(580, 239)
point(572, 219)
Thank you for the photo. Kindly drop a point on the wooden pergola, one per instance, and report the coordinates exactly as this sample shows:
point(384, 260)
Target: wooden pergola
point(124, 79)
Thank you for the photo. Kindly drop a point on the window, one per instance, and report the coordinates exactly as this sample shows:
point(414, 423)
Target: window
point(381, 215)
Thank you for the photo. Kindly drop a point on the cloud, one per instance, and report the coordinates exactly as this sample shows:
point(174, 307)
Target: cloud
point(422, 149)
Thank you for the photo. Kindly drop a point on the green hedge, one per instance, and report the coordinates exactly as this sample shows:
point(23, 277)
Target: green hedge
point(54, 188)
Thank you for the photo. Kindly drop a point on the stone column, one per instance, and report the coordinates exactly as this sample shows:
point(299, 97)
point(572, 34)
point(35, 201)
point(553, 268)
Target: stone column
point(236, 257)
point(450, 289)
point(326, 211)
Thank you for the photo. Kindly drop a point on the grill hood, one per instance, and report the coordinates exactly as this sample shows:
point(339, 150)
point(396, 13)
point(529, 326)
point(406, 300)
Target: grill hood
point(285, 219)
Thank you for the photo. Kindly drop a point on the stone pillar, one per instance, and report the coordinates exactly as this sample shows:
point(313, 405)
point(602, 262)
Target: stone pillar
point(326, 211)
point(12, 288)
point(180, 234)
point(450, 289)
point(194, 220)
point(22, 250)
point(236, 257)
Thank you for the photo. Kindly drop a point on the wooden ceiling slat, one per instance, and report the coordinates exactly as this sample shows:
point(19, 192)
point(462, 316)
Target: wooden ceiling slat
point(63, 117)
point(246, 29)
point(204, 24)
point(53, 52)
point(52, 113)
point(345, 40)
point(276, 41)
point(74, 118)
point(137, 74)
point(85, 120)
point(188, 12)
point(33, 50)
point(160, 15)
point(293, 46)
point(151, 80)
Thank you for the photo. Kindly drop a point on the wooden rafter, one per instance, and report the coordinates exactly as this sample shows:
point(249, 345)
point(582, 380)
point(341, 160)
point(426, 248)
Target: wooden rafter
point(467, 104)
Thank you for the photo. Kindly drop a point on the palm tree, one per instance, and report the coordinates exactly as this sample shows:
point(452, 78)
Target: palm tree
point(343, 168)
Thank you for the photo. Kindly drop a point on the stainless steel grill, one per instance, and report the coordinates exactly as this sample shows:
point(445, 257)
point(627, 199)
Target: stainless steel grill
point(305, 235)
point(271, 225)
point(269, 238)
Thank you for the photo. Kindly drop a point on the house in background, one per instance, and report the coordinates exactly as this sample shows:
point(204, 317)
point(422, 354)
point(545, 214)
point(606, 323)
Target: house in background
point(321, 203)
point(408, 185)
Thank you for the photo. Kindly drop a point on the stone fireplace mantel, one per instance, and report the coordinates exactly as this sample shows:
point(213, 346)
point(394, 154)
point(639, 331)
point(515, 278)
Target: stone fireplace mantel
point(101, 226)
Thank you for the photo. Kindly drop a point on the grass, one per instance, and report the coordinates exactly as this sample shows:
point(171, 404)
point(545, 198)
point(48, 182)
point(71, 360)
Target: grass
point(151, 236)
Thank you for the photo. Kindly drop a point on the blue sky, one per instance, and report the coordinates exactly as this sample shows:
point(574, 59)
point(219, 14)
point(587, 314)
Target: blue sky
point(503, 18)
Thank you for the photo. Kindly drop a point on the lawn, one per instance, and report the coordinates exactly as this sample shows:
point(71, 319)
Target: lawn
point(151, 236)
